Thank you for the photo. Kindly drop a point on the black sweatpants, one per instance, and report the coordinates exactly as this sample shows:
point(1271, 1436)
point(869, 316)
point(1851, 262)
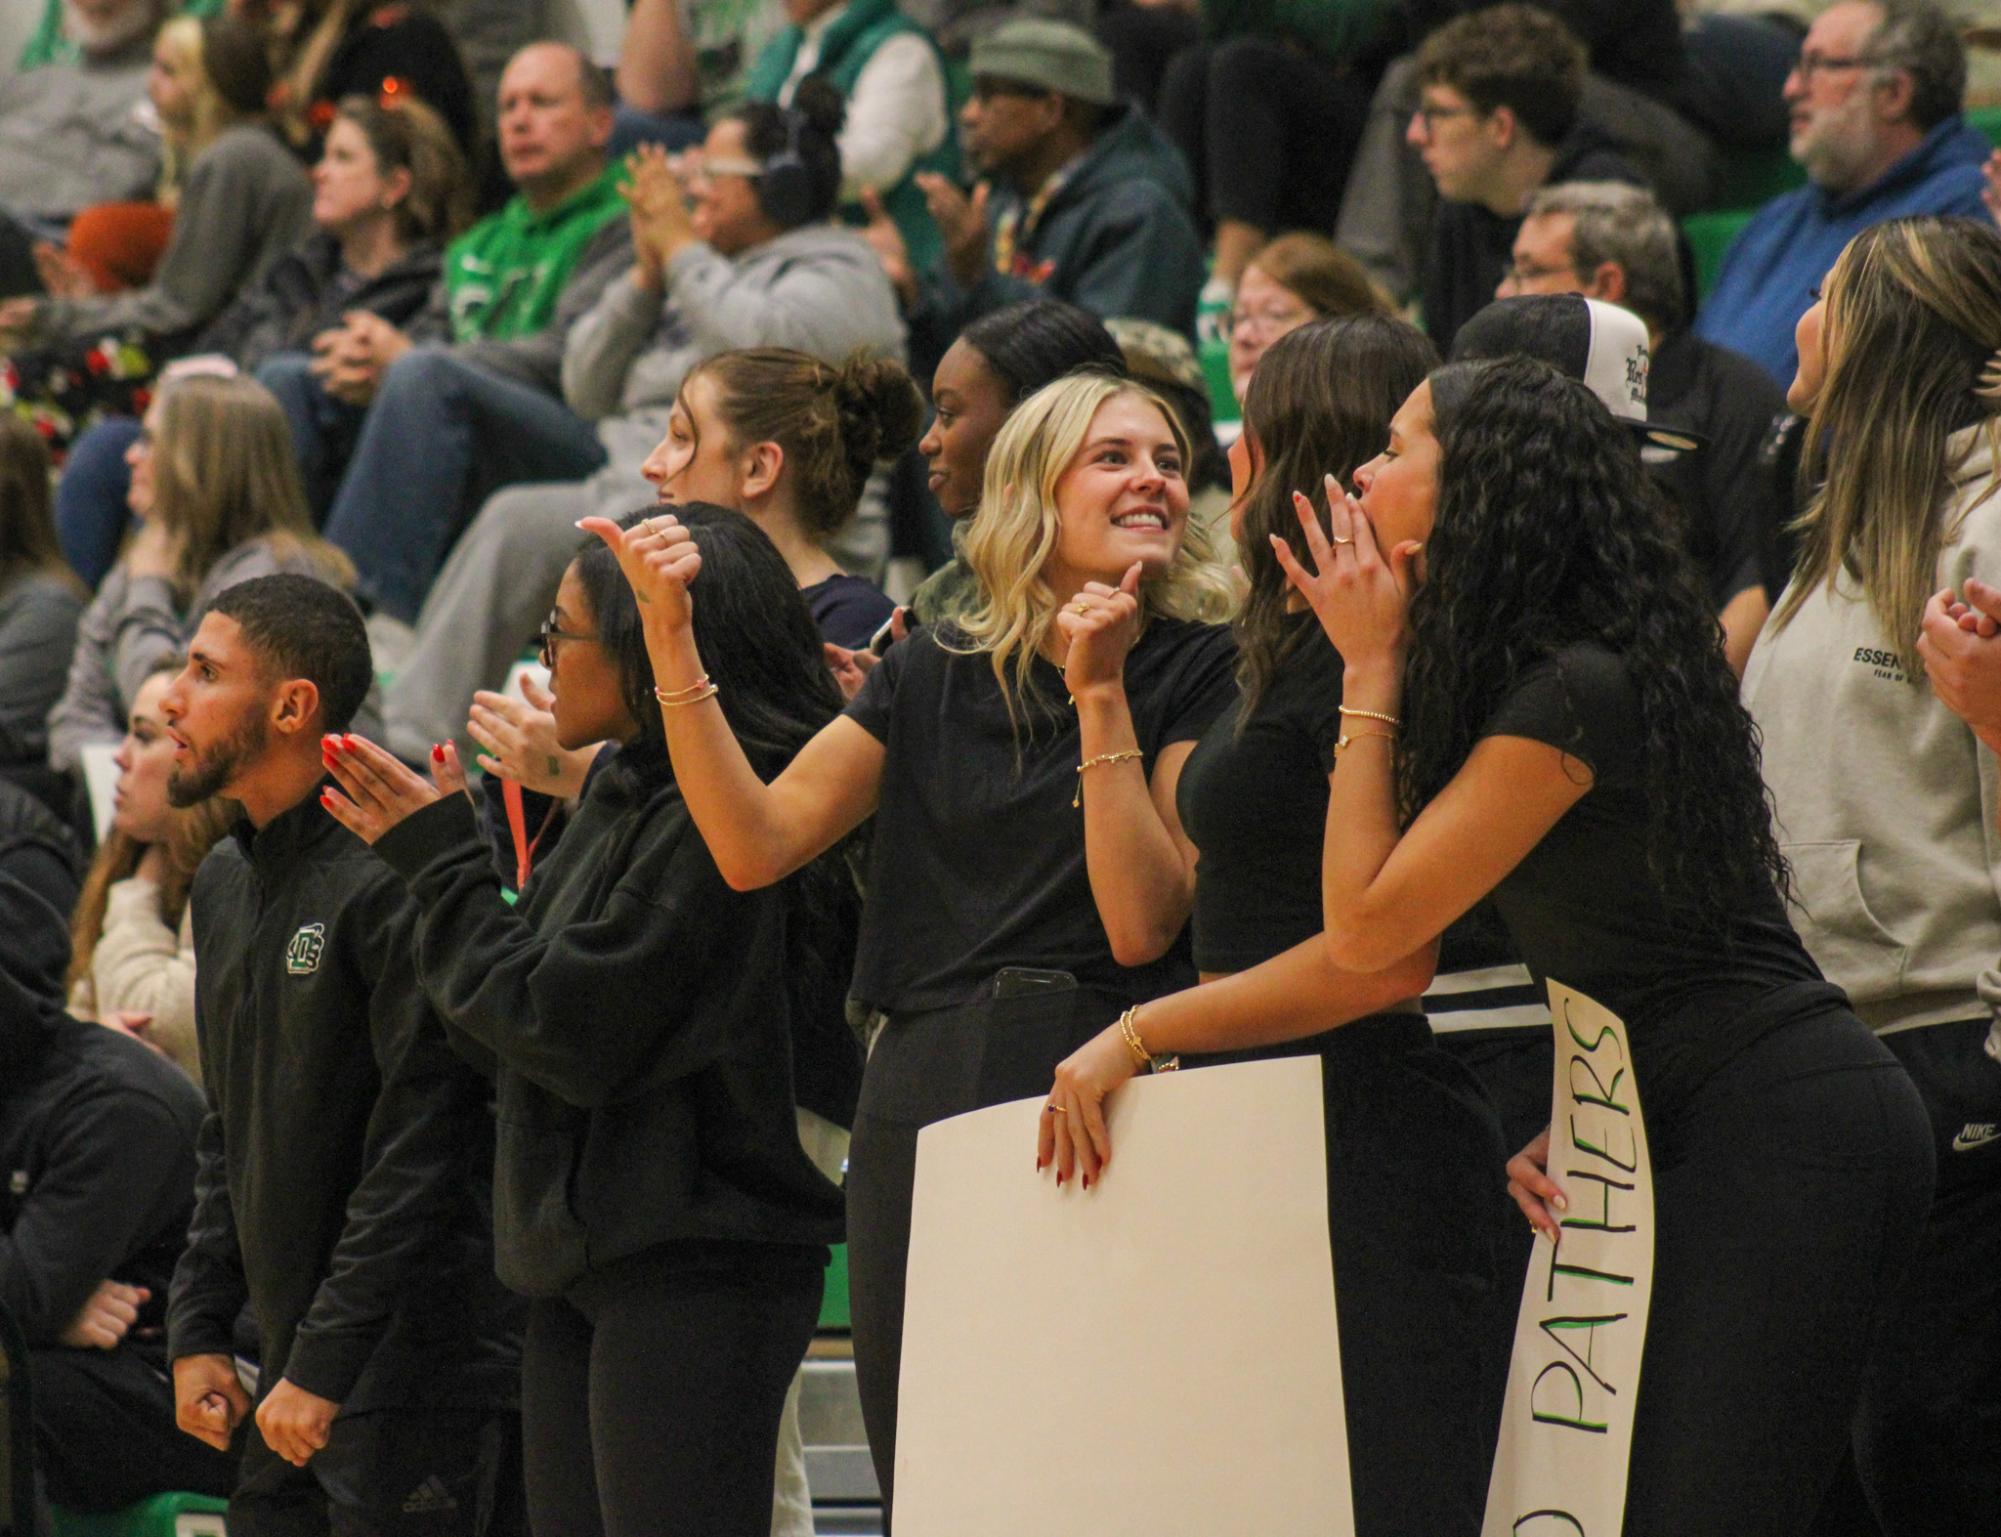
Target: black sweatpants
point(1268, 129)
point(388, 1473)
point(1928, 1437)
point(651, 1393)
point(105, 1435)
point(1789, 1193)
point(1417, 1212)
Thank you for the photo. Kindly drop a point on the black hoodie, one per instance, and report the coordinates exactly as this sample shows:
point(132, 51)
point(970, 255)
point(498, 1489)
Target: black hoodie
point(345, 1160)
point(97, 1144)
point(645, 1017)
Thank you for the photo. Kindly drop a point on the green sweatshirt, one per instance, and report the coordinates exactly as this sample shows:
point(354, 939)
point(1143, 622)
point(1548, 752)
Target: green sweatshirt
point(504, 275)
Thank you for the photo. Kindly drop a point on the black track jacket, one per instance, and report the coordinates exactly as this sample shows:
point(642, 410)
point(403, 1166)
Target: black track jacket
point(344, 1166)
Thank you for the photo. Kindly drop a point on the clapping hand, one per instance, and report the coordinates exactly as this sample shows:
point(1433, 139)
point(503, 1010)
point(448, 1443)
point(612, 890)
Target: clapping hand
point(659, 558)
point(890, 248)
point(1961, 657)
point(519, 736)
point(1360, 596)
point(662, 225)
point(381, 790)
point(961, 221)
point(1100, 623)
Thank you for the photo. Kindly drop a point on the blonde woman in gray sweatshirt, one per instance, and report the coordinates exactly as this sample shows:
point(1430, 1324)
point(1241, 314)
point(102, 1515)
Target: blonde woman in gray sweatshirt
point(1887, 804)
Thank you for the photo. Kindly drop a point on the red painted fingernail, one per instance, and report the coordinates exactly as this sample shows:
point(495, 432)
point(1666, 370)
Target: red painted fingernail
point(347, 742)
point(437, 753)
point(1087, 1182)
point(1059, 1176)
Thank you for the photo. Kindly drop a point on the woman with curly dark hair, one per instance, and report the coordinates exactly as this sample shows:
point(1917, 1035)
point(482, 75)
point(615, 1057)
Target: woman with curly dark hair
point(1511, 588)
point(1415, 1214)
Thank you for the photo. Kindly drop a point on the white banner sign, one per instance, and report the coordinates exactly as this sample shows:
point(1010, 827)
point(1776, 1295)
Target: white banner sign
point(1155, 1356)
point(1567, 1424)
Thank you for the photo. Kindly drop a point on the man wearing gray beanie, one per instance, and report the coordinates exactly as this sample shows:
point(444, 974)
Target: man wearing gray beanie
point(1081, 197)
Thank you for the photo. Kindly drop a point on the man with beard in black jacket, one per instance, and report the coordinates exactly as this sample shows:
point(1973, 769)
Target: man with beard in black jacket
point(345, 1165)
point(97, 1166)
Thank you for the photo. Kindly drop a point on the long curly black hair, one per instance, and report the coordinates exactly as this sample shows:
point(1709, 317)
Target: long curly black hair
point(1549, 533)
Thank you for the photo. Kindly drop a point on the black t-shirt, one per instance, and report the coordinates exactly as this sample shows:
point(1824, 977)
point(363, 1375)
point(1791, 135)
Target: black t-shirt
point(1583, 910)
point(847, 609)
point(977, 855)
point(1255, 803)
point(1725, 502)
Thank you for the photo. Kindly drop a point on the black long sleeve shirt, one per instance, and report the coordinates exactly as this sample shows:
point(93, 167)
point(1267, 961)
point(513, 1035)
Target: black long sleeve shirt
point(345, 1162)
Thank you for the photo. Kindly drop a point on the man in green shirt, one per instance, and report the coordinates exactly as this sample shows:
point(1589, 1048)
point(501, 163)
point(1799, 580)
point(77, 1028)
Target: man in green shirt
point(470, 397)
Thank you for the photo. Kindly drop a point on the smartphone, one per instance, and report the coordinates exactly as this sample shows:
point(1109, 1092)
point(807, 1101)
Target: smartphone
point(885, 637)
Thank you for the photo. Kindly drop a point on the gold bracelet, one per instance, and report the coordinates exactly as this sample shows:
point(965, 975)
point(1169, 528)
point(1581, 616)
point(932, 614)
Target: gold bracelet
point(1388, 720)
point(1090, 763)
point(669, 695)
point(709, 691)
point(1355, 736)
point(1143, 1059)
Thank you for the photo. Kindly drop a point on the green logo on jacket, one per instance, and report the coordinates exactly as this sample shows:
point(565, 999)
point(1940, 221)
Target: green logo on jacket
point(302, 955)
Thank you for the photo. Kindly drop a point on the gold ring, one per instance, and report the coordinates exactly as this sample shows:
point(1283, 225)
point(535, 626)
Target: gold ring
point(1055, 1109)
point(1339, 540)
point(1080, 607)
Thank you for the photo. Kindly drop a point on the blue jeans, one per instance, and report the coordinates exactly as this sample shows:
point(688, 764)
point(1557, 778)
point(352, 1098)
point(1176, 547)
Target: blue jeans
point(323, 429)
point(441, 436)
point(90, 497)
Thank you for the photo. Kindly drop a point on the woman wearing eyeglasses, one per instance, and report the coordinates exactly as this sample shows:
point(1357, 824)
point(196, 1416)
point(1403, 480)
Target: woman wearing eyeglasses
point(1295, 279)
point(648, 1027)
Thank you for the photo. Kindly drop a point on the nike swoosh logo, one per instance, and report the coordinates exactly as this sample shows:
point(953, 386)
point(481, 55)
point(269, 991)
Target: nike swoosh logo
point(1973, 1137)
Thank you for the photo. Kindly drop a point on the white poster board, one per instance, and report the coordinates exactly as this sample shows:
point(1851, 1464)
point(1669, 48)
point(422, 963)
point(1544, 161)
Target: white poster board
point(1154, 1356)
point(1567, 1421)
point(100, 780)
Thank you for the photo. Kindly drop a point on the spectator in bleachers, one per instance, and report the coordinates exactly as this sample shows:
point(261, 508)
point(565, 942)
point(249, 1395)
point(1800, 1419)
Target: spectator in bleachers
point(467, 398)
point(218, 501)
point(1496, 119)
point(132, 961)
point(785, 438)
point(36, 849)
point(899, 117)
point(1875, 99)
point(1295, 279)
point(682, 65)
point(1268, 111)
point(390, 190)
point(1387, 208)
point(244, 203)
point(727, 272)
point(72, 133)
point(328, 50)
point(1084, 199)
point(100, 1134)
point(997, 362)
point(1885, 802)
point(40, 600)
point(1616, 243)
point(343, 1184)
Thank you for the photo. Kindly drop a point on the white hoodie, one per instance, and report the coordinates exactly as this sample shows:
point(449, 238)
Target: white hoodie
point(1886, 803)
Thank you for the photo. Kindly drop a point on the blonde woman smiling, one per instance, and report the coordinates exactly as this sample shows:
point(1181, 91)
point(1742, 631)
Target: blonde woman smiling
point(1011, 900)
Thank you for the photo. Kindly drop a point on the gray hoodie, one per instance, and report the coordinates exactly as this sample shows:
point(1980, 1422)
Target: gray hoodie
point(1886, 804)
point(819, 289)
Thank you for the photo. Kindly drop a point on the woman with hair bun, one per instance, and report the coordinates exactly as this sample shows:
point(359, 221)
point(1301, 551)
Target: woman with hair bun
point(1536, 705)
point(1892, 837)
point(1013, 902)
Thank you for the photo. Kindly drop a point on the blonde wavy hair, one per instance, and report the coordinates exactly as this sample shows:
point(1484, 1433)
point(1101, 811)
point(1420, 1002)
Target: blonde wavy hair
point(1912, 341)
point(1009, 541)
